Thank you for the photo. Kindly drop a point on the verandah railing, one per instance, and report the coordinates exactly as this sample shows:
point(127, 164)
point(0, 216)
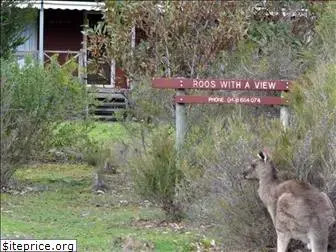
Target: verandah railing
point(64, 57)
point(106, 78)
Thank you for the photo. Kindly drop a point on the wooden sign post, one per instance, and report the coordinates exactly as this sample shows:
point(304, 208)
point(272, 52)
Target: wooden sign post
point(180, 120)
point(181, 84)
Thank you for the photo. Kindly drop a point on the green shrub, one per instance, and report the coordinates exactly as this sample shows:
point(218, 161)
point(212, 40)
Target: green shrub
point(34, 100)
point(156, 172)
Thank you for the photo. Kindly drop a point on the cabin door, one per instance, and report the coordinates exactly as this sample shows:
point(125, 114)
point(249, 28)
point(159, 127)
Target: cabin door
point(109, 74)
point(101, 76)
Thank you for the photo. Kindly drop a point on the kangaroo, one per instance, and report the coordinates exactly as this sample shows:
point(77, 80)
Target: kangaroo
point(297, 209)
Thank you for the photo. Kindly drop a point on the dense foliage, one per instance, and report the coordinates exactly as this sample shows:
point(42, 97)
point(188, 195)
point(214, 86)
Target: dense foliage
point(156, 173)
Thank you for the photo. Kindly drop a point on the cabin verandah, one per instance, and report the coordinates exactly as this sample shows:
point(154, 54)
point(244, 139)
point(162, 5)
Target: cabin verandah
point(63, 23)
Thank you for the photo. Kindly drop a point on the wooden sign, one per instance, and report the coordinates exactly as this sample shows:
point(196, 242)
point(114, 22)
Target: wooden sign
point(250, 100)
point(217, 84)
point(180, 84)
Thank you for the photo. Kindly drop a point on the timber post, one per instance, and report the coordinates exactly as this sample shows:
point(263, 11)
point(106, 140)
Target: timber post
point(284, 114)
point(181, 121)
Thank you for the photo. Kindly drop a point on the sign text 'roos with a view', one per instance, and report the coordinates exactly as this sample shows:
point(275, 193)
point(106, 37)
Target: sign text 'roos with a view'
point(221, 84)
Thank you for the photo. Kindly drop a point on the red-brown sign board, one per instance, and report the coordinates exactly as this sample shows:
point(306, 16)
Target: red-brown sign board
point(250, 100)
point(280, 85)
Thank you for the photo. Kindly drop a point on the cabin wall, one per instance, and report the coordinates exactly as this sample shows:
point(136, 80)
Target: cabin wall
point(62, 31)
point(30, 45)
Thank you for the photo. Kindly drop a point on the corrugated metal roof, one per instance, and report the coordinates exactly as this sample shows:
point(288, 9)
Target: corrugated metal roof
point(64, 5)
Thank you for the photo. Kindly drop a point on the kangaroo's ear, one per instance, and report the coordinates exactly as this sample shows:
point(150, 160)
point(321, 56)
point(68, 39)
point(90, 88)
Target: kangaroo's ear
point(263, 156)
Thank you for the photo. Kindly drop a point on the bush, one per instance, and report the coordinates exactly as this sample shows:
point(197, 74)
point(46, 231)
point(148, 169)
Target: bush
point(34, 100)
point(71, 141)
point(156, 173)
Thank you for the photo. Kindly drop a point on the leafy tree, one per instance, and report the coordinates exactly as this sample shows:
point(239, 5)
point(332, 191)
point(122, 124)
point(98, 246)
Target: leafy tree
point(178, 38)
point(184, 38)
point(13, 22)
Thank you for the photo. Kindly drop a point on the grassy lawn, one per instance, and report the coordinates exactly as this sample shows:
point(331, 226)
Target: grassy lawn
point(98, 131)
point(57, 203)
point(103, 131)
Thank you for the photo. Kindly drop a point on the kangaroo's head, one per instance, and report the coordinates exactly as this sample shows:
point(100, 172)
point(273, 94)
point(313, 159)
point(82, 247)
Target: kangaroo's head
point(260, 168)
